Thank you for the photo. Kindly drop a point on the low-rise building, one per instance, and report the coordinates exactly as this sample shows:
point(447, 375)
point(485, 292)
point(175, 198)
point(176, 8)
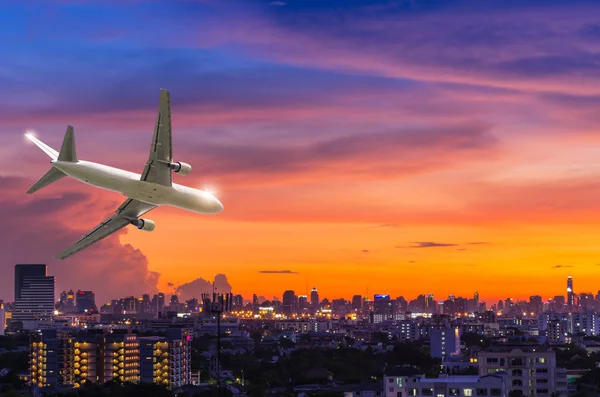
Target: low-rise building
point(446, 386)
point(531, 369)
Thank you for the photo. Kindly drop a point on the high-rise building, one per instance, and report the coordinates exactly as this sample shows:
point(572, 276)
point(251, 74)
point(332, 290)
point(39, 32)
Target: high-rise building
point(302, 303)
point(357, 303)
point(444, 342)
point(121, 358)
point(382, 305)
point(288, 306)
point(166, 360)
point(86, 302)
point(314, 299)
point(65, 358)
point(80, 358)
point(536, 304)
point(45, 359)
point(1, 319)
point(570, 292)
point(34, 295)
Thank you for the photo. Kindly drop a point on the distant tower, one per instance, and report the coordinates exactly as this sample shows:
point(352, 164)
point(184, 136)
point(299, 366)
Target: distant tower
point(34, 295)
point(570, 293)
point(288, 305)
point(314, 298)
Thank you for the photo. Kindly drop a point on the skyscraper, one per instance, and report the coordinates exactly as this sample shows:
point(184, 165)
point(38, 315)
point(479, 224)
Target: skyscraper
point(314, 299)
point(34, 295)
point(570, 293)
point(1, 319)
point(86, 302)
point(288, 305)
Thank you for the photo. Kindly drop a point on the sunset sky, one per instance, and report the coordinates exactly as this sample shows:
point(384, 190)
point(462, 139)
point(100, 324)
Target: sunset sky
point(401, 147)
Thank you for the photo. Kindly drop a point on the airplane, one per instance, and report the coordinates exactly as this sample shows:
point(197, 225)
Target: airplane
point(154, 187)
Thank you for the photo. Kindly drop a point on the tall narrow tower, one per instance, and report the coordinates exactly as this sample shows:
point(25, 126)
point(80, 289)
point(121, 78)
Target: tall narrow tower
point(570, 293)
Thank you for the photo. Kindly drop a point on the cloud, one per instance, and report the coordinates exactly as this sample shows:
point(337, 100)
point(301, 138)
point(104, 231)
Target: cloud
point(561, 266)
point(199, 286)
point(388, 154)
point(391, 225)
point(479, 243)
point(170, 284)
point(277, 272)
point(464, 50)
point(365, 251)
point(45, 223)
point(278, 3)
point(430, 244)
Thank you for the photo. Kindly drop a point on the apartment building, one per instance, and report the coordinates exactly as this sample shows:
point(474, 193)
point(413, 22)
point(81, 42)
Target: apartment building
point(531, 369)
point(446, 386)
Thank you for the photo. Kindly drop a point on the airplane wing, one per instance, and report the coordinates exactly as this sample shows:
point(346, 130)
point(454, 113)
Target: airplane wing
point(161, 154)
point(129, 211)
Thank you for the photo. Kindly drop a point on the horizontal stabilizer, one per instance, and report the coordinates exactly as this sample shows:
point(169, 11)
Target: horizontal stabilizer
point(49, 177)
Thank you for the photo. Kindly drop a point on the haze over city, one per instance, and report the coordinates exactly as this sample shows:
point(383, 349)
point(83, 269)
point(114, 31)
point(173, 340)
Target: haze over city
point(352, 152)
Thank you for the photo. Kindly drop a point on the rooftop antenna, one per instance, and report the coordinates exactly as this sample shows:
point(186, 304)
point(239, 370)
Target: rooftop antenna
point(219, 304)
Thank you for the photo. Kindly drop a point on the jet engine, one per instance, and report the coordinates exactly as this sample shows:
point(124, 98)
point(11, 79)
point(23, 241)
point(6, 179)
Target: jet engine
point(144, 224)
point(181, 168)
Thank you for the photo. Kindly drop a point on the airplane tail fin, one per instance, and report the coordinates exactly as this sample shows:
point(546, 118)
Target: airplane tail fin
point(49, 177)
point(67, 151)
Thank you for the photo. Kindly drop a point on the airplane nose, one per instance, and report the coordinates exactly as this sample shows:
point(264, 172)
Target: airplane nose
point(218, 207)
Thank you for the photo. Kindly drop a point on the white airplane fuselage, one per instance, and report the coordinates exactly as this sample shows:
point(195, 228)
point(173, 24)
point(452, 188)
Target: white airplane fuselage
point(130, 185)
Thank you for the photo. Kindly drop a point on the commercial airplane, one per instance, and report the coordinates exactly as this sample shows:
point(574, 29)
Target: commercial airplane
point(145, 192)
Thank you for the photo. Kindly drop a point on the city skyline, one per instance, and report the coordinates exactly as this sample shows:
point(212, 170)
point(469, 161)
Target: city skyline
point(352, 147)
point(194, 291)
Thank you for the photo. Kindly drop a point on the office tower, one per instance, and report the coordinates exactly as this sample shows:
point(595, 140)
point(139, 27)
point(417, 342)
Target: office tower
point(302, 303)
point(444, 342)
point(255, 303)
point(238, 302)
point(357, 303)
point(430, 304)
point(2, 320)
point(129, 305)
point(570, 293)
point(192, 304)
point(402, 305)
point(86, 302)
point(314, 299)
point(70, 308)
point(288, 306)
point(34, 295)
point(586, 302)
point(22, 271)
point(145, 305)
point(536, 304)
point(121, 358)
point(382, 305)
point(45, 360)
point(166, 360)
point(62, 302)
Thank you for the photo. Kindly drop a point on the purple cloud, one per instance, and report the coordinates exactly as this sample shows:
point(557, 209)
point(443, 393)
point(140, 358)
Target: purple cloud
point(44, 224)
